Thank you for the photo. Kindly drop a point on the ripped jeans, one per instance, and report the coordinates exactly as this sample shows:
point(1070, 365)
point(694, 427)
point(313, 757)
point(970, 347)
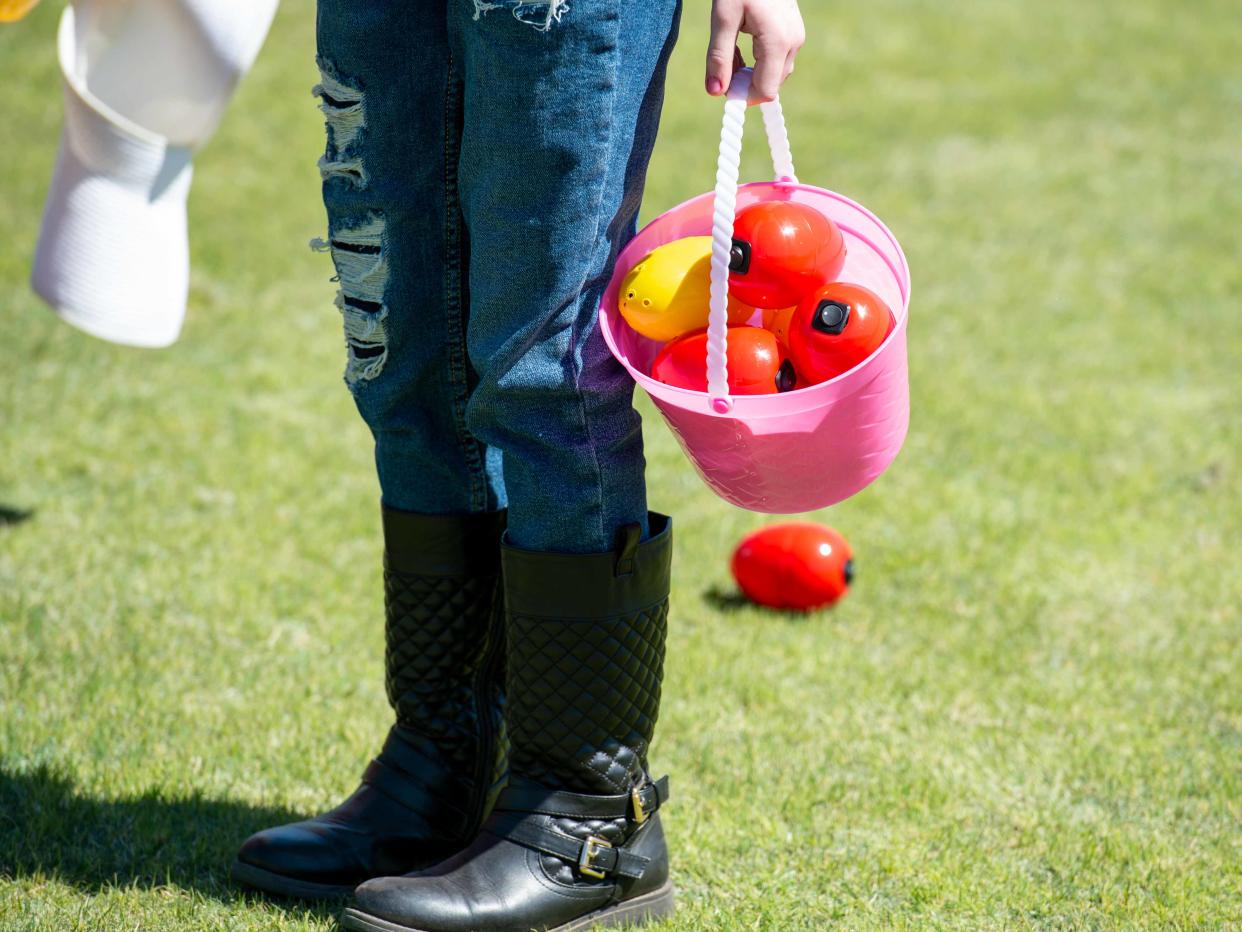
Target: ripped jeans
point(484, 166)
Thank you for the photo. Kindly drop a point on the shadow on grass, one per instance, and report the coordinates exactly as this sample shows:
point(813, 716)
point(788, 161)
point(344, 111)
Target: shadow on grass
point(728, 601)
point(48, 828)
point(10, 515)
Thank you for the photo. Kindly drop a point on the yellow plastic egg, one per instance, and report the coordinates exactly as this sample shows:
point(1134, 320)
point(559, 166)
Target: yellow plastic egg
point(667, 293)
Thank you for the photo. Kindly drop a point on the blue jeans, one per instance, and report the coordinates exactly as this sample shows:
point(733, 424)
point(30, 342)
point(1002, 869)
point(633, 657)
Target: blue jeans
point(484, 166)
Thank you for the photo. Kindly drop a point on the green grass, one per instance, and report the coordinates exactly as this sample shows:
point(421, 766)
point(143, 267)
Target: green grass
point(1027, 714)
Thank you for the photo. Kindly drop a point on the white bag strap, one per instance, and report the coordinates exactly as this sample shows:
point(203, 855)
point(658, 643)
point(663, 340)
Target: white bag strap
point(724, 208)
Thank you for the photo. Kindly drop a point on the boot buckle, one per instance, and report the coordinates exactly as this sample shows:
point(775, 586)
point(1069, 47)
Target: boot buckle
point(590, 850)
point(636, 801)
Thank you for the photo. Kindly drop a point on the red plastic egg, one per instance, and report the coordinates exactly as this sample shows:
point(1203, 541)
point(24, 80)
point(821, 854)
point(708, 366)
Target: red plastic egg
point(777, 320)
point(835, 328)
point(755, 360)
point(781, 250)
point(794, 565)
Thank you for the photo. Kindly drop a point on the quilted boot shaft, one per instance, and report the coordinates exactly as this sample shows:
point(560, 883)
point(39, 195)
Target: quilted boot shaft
point(586, 639)
point(443, 627)
point(444, 638)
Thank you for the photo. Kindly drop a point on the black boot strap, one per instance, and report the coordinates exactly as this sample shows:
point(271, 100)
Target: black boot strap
point(595, 857)
point(636, 805)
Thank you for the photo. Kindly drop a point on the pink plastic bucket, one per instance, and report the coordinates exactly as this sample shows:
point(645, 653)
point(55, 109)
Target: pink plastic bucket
point(801, 450)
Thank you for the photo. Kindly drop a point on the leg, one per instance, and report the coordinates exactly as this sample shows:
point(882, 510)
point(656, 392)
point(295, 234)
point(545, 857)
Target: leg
point(553, 161)
point(395, 237)
point(391, 94)
point(559, 127)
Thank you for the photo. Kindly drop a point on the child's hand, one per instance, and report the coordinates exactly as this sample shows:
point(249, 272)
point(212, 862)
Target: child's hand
point(777, 32)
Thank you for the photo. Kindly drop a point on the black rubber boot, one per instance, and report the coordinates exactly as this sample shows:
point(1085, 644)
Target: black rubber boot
point(444, 761)
point(575, 839)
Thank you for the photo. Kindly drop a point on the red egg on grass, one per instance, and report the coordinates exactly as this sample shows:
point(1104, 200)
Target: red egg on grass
point(794, 565)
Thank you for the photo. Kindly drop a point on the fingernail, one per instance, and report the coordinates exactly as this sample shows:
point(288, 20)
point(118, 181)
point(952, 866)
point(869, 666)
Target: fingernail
point(714, 86)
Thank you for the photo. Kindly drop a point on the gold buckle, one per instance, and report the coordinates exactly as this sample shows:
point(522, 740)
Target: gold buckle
point(636, 800)
point(586, 860)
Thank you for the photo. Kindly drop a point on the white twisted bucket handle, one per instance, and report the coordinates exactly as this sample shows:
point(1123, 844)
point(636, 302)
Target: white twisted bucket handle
point(722, 220)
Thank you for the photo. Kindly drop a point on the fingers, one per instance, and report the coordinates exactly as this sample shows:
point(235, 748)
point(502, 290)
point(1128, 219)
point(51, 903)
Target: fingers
point(722, 50)
point(778, 32)
point(776, 45)
point(789, 65)
point(770, 57)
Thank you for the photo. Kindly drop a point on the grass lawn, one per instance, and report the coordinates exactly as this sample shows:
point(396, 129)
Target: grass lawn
point(1028, 712)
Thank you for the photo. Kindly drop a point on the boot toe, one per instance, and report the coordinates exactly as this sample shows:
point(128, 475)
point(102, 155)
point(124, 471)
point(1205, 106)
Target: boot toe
point(303, 850)
point(418, 903)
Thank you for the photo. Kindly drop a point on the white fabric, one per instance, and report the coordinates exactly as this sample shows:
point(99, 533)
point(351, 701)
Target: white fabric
point(145, 83)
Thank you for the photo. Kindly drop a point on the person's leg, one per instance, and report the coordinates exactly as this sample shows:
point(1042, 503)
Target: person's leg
point(392, 101)
point(559, 129)
point(559, 126)
point(391, 94)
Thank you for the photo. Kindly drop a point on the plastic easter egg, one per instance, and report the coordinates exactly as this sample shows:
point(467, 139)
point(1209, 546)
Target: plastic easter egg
point(777, 320)
point(756, 363)
point(781, 250)
point(794, 565)
point(667, 293)
point(834, 329)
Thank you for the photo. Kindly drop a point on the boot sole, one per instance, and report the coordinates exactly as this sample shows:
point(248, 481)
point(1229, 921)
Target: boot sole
point(658, 904)
point(269, 882)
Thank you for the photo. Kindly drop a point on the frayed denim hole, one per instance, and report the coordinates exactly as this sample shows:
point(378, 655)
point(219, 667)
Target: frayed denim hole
point(344, 112)
point(362, 272)
point(538, 14)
